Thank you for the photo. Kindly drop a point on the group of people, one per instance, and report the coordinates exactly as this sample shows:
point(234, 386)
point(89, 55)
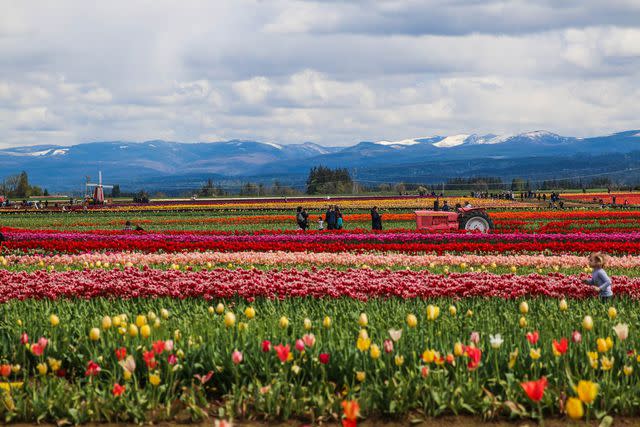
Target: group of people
point(333, 219)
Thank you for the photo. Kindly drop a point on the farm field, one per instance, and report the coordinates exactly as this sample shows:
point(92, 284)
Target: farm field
point(223, 310)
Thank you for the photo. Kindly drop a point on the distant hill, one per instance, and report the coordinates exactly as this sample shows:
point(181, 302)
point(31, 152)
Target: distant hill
point(157, 165)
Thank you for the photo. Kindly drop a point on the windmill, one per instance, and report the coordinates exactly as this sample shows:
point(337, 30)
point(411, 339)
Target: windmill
point(98, 193)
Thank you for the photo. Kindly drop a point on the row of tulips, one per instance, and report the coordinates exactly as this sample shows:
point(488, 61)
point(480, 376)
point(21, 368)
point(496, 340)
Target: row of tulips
point(400, 241)
point(154, 359)
point(361, 284)
point(281, 258)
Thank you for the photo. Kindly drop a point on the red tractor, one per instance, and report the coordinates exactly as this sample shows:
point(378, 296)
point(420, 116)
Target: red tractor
point(472, 219)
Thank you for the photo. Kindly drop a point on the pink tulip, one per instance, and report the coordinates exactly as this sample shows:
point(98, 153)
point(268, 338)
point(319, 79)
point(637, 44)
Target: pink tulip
point(24, 338)
point(168, 345)
point(475, 337)
point(576, 337)
point(236, 357)
point(172, 359)
point(309, 340)
point(388, 346)
point(300, 345)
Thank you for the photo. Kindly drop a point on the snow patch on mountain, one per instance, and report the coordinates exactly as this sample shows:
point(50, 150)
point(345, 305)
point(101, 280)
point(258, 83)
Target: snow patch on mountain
point(451, 141)
point(412, 141)
point(271, 144)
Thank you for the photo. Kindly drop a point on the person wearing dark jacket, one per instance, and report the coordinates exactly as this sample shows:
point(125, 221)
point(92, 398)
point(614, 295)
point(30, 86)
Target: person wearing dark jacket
point(331, 218)
point(376, 219)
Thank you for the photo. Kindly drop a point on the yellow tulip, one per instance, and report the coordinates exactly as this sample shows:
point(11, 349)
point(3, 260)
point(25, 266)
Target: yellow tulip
point(469, 313)
point(522, 322)
point(514, 269)
point(457, 349)
point(54, 364)
point(360, 376)
point(211, 310)
point(587, 391)
point(250, 312)
point(607, 363)
point(587, 323)
point(433, 311)
point(106, 322)
point(133, 330)
point(428, 356)
point(177, 335)
point(363, 334)
point(601, 344)
point(116, 320)
point(609, 343)
point(42, 368)
point(229, 319)
point(513, 357)
point(453, 310)
point(363, 344)
point(151, 316)
point(283, 322)
point(524, 307)
point(326, 322)
point(575, 410)
point(220, 308)
point(145, 331)
point(126, 375)
point(141, 320)
point(94, 334)
point(399, 360)
point(535, 353)
point(363, 320)
point(374, 351)
point(307, 324)
point(412, 321)
point(154, 379)
point(628, 370)
point(563, 305)
point(612, 313)
point(164, 313)
point(54, 320)
point(156, 324)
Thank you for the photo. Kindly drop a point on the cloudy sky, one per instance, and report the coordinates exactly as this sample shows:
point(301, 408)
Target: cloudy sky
point(332, 72)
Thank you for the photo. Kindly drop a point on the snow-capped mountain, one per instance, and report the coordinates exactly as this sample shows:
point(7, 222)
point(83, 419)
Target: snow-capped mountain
point(134, 164)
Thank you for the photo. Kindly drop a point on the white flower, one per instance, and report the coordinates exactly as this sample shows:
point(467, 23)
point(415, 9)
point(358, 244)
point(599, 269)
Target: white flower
point(395, 334)
point(622, 331)
point(496, 340)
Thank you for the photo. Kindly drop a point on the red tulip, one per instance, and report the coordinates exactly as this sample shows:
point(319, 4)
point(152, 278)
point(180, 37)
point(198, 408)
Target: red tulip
point(323, 358)
point(535, 389)
point(474, 354)
point(158, 347)
point(118, 389)
point(562, 346)
point(121, 353)
point(266, 346)
point(93, 369)
point(283, 352)
point(533, 337)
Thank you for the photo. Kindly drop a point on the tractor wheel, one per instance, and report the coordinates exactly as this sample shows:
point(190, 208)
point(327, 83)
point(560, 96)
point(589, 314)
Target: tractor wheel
point(476, 221)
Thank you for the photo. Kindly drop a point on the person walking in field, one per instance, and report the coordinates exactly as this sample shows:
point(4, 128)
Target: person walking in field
point(331, 218)
point(376, 219)
point(599, 277)
point(320, 223)
point(339, 220)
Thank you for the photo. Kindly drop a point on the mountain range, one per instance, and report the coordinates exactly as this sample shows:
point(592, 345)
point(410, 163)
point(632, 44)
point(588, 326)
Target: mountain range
point(166, 165)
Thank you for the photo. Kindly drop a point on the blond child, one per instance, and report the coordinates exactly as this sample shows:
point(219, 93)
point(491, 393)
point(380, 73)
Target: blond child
point(599, 277)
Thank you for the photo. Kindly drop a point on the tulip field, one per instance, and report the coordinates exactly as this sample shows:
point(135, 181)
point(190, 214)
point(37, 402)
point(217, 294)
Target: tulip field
point(224, 311)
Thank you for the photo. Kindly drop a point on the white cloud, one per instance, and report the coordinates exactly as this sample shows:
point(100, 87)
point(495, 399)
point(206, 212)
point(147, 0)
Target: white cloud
point(254, 90)
point(333, 72)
